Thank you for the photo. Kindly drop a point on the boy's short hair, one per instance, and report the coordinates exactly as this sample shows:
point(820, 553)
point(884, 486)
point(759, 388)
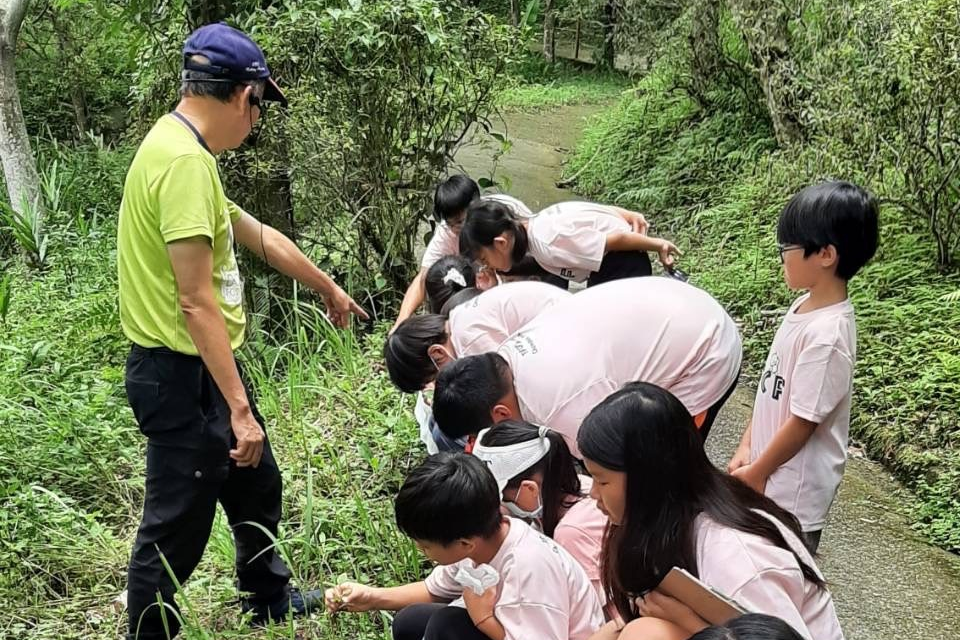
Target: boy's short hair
point(453, 196)
point(465, 392)
point(405, 351)
point(448, 497)
point(833, 213)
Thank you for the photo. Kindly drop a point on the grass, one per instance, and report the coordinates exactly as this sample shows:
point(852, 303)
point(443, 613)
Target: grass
point(71, 458)
point(539, 87)
point(714, 181)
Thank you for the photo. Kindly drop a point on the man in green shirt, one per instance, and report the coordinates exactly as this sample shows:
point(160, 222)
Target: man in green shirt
point(181, 306)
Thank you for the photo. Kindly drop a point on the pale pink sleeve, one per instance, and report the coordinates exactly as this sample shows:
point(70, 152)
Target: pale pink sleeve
point(443, 243)
point(769, 592)
point(525, 615)
point(578, 248)
point(584, 548)
point(821, 380)
point(440, 582)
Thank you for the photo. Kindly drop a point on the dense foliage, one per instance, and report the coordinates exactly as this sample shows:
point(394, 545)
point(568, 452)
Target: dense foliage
point(877, 107)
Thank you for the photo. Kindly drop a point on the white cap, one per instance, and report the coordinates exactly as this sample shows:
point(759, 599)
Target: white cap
point(508, 462)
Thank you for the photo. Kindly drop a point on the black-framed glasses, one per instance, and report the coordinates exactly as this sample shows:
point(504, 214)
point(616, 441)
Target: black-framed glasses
point(783, 248)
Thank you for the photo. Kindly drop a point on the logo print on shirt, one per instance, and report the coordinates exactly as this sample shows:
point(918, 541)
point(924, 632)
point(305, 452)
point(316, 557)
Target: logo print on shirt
point(524, 344)
point(772, 371)
point(567, 273)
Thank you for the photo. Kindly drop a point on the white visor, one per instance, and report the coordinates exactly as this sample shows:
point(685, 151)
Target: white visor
point(508, 462)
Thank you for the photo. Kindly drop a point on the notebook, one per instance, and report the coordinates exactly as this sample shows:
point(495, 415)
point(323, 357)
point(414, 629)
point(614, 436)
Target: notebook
point(712, 606)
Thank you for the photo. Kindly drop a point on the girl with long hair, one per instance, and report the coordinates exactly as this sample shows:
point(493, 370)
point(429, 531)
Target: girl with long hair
point(670, 507)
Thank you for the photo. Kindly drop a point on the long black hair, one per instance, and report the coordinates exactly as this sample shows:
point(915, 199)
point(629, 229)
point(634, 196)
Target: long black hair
point(441, 284)
point(487, 219)
point(647, 433)
point(560, 488)
point(406, 351)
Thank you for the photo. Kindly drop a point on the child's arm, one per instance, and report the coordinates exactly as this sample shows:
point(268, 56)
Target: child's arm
point(414, 296)
point(482, 612)
point(741, 457)
point(790, 438)
point(352, 596)
point(634, 219)
point(630, 241)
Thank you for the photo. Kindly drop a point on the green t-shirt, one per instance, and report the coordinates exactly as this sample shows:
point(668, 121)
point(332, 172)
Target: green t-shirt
point(172, 192)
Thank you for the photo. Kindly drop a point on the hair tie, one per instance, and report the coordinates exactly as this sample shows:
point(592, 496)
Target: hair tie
point(455, 276)
point(543, 432)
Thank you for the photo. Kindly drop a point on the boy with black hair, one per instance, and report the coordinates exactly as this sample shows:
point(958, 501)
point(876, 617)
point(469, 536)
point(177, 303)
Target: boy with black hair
point(795, 446)
point(451, 199)
point(566, 360)
point(450, 507)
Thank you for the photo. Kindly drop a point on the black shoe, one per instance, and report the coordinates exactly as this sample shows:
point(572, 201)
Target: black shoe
point(296, 602)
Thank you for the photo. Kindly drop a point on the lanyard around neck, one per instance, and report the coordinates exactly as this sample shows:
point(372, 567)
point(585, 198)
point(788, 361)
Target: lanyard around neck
point(189, 125)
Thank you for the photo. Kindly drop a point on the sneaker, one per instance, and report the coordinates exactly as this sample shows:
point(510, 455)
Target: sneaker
point(299, 603)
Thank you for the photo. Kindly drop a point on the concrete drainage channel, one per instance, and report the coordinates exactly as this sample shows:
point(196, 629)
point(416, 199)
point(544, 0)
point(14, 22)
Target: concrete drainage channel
point(887, 583)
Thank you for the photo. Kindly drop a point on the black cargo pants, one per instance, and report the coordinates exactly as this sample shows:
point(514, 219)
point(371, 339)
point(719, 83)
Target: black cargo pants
point(187, 424)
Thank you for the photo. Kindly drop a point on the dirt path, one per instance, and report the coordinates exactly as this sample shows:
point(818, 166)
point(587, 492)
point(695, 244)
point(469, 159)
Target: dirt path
point(887, 583)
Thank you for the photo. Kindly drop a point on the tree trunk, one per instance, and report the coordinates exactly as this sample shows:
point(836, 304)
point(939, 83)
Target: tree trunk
point(608, 55)
point(19, 165)
point(515, 12)
point(549, 31)
point(67, 54)
point(764, 26)
point(704, 47)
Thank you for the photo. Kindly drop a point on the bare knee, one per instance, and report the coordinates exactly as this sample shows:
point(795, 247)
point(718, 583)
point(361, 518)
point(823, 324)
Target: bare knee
point(652, 629)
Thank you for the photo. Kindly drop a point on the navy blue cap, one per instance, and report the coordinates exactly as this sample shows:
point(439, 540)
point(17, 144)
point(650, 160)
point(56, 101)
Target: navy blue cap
point(232, 55)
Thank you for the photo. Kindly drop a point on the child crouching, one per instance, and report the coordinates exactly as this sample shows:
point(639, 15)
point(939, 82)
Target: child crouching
point(450, 507)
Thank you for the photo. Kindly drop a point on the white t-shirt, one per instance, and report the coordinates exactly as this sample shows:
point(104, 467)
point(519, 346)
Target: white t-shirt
point(657, 330)
point(446, 242)
point(544, 592)
point(764, 578)
point(483, 323)
point(580, 531)
point(808, 373)
point(569, 239)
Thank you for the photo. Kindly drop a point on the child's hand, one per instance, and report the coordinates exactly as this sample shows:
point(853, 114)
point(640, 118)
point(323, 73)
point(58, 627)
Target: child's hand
point(349, 596)
point(482, 606)
point(666, 252)
point(741, 458)
point(638, 224)
point(749, 475)
point(658, 605)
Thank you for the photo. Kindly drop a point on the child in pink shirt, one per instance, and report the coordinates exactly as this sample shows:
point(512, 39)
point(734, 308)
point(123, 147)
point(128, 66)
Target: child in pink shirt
point(539, 483)
point(421, 345)
point(578, 241)
point(568, 359)
point(795, 447)
point(670, 507)
point(450, 201)
point(450, 507)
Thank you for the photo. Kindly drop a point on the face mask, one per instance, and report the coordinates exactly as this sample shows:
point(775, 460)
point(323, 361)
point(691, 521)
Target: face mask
point(434, 362)
point(533, 517)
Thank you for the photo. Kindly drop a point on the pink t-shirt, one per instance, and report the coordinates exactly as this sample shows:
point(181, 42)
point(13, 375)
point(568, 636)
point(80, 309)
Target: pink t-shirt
point(483, 323)
point(808, 373)
point(446, 242)
point(569, 239)
point(657, 330)
point(764, 578)
point(580, 531)
point(544, 593)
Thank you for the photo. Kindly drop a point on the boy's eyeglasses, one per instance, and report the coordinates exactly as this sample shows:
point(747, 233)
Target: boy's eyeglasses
point(783, 248)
